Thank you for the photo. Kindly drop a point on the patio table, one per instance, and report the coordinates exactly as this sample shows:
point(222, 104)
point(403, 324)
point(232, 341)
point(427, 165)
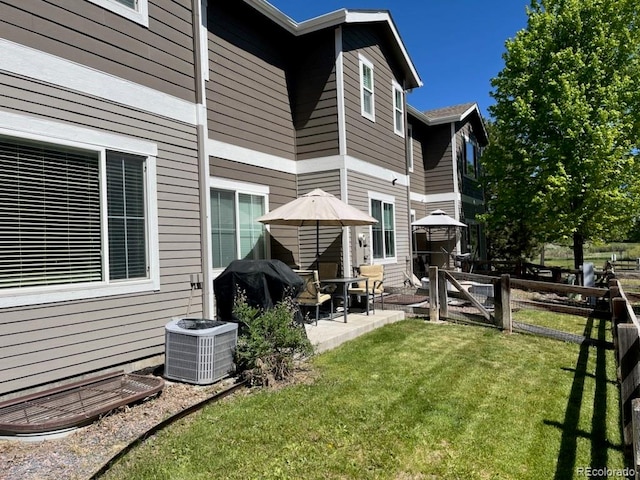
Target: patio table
point(345, 282)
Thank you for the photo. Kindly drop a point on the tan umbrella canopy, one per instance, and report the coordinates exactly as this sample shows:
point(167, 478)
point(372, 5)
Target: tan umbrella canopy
point(317, 208)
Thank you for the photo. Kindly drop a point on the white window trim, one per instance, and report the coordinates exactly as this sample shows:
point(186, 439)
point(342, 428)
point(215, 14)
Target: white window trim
point(473, 142)
point(390, 199)
point(364, 61)
point(139, 15)
point(410, 147)
point(397, 129)
point(219, 183)
point(92, 140)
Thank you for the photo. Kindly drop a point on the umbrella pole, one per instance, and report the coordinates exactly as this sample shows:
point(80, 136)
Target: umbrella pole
point(318, 245)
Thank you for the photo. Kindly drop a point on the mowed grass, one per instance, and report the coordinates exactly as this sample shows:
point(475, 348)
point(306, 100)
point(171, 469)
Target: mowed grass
point(412, 400)
point(563, 322)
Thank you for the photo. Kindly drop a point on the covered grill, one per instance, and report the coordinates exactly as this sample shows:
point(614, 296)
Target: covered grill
point(265, 283)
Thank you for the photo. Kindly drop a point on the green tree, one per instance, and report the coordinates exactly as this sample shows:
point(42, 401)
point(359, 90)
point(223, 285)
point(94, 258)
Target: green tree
point(512, 230)
point(567, 117)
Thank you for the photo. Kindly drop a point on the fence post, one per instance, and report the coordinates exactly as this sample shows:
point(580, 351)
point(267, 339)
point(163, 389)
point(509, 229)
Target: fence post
point(635, 424)
point(434, 299)
point(443, 296)
point(502, 298)
point(628, 358)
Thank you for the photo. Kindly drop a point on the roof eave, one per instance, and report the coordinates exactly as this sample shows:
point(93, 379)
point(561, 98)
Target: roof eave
point(334, 19)
point(448, 119)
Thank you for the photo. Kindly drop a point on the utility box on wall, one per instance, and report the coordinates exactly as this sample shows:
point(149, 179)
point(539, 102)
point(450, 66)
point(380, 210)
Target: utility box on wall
point(363, 246)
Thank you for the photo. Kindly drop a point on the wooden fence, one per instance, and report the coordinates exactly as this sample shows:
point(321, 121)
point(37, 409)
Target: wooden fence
point(498, 311)
point(625, 328)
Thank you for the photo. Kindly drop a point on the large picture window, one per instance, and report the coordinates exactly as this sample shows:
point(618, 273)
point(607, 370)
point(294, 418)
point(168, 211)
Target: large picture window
point(52, 228)
point(235, 234)
point(383, 232)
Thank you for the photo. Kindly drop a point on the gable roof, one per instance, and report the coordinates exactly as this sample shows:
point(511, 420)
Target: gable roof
point(454, 113)
point(339, 17)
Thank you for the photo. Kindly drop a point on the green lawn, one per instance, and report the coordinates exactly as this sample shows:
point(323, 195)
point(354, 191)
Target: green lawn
point(412, 400)
point(562, 321)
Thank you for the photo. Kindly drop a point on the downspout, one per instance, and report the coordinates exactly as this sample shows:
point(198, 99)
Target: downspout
point(203, 161)
point(342, 148)
point(456, 186)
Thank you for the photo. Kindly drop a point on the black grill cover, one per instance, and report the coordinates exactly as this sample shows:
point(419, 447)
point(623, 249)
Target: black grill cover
point(265, 282)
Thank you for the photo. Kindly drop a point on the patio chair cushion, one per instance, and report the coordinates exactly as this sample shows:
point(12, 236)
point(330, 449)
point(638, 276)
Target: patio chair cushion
point(311, 294)
point(375, 273)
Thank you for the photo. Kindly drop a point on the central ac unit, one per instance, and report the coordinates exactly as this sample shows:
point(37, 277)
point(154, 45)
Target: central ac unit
point(199, 350)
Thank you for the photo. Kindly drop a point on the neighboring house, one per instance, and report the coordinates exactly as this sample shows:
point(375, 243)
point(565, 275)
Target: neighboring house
point(444, 153)
point(99, 195)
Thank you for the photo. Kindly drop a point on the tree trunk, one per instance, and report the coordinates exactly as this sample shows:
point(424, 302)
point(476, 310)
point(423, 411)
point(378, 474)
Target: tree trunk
point(578, 250)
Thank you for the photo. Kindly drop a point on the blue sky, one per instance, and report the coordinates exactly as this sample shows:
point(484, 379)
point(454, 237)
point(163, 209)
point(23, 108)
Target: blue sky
point(456, 45)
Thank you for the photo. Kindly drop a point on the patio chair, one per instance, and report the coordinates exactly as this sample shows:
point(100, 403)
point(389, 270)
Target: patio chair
point(375, 274)
point(311, 295)
point(328, 270)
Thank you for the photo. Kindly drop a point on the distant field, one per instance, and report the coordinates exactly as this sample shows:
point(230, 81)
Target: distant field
point(562, 256)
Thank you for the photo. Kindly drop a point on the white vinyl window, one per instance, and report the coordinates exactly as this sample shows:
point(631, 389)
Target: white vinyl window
point(383, 233)
point(410, 147)
point(135, 10)
point(69, 217)
point(235, 234)
point(398, 109)
point(367, 94)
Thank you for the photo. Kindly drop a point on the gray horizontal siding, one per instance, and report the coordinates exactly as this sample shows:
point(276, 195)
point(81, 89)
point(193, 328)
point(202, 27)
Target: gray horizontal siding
point(420, 146)
point(359, 184)
point(248, 100)
point(438, 160)
point(376, 141)
point(46, 343)
point(160, 57)
point(315, 104)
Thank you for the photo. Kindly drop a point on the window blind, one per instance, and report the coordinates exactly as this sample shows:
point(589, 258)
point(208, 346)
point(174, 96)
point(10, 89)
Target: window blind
point(126, 214)
point(50, 230)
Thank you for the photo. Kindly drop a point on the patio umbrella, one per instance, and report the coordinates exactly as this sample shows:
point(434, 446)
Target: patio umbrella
point(317, 208)
point(438, 219)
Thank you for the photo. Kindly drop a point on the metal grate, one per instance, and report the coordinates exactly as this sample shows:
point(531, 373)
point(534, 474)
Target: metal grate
point(76, 404)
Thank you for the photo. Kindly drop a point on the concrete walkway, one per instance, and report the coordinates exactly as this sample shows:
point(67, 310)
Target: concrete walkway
point(329, 334)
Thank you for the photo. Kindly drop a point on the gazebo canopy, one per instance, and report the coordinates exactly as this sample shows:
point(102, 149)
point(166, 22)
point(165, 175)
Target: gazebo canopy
point(437, 218)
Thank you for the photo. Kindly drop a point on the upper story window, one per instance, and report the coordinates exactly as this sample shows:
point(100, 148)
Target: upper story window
point(70, 216)
point(398, 109)
point(384, 232)
point(235, 234)
point(135, 10)
point(367, 94)
point(410, 147)
point(471, 157)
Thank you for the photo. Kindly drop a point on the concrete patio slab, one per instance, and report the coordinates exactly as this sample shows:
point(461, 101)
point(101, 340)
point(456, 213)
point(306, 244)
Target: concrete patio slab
point(328, 334)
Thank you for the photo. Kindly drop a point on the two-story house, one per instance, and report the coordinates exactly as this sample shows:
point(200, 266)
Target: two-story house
point(298, 106)
point(444, 151)
point(140, 140)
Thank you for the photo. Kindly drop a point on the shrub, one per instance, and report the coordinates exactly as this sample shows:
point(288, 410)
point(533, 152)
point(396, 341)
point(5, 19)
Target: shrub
point(269, 341)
